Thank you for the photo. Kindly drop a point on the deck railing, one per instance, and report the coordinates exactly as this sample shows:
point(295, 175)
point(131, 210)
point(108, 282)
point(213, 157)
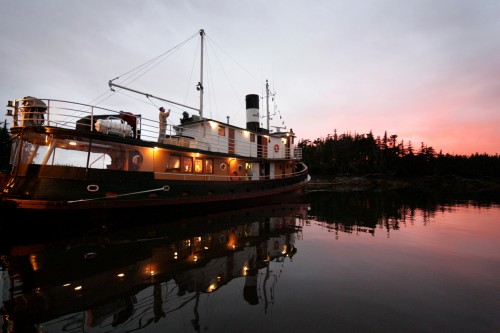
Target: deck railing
point(72, 115)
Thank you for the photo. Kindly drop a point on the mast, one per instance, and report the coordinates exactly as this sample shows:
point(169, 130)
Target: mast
point(267, 104)
point(200, 84)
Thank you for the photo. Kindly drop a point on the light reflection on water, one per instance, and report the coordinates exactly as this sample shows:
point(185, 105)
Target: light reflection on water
point(329, 262)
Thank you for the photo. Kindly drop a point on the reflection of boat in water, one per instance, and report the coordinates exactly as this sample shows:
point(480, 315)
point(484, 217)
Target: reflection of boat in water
point(68, 155)
point(130, 278)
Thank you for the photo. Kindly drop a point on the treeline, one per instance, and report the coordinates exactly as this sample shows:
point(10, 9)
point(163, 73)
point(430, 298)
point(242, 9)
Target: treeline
point(362, 154)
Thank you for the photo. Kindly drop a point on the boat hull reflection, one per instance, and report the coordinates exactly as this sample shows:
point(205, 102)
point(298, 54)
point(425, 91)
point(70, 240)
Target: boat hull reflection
point(119, 276)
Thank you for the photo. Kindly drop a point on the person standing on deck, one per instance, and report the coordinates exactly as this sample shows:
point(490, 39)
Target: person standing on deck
point(163, 123)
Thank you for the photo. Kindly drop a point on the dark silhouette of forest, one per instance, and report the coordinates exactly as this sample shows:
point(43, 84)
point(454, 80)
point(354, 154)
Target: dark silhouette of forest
point(364, 154)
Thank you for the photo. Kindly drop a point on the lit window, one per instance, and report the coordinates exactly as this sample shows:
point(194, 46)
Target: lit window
point(209, 166)
point(187, 164)
point(222, 130)
point(174, 162)
point(198, 165)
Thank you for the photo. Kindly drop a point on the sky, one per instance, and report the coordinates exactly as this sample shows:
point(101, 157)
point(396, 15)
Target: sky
point(427, 71)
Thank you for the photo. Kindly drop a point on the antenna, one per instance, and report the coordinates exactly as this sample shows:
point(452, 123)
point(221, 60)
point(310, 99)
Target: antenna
point(268, 94)
point(278, 128)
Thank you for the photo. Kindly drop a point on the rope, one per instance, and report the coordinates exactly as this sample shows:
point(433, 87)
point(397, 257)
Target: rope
point(138, 67)
point(163, 188)
point(155, 59)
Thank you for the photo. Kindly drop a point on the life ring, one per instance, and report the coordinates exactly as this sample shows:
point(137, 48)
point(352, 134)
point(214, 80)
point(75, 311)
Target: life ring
point(276, 148)
point(234, 175)
point(135, 161)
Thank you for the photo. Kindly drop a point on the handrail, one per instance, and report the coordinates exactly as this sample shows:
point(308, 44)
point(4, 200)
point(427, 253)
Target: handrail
point(66, 114)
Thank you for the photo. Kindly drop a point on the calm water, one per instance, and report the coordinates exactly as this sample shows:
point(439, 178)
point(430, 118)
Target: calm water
point(323, 262)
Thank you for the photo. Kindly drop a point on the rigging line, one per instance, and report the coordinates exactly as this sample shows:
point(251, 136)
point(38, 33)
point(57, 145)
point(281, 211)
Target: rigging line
point(158, 57)
point(256, 78)
point(191, 74)
point(101, 95)
point(132, 78)
point(227, 78)
point(135, 98)
point(148, 62)
point(84, 109)
point(96, 99)
point(151, 103)
point(110, 94)
point(211, 87)
point(88, 105)
point(171, 106)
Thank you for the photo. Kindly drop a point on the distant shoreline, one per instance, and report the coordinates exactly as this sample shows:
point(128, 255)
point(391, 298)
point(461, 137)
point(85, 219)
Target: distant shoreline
point(426, 184)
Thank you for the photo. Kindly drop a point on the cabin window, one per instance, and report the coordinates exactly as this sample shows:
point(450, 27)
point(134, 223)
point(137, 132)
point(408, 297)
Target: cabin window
point(223, 166)
point(209, 166)
point(252, 137)
point(68, 151)
point(187, 164)
point(174, 163)
point(240, 167)
point(222, 130)
point(198, 165)
point(248, 170)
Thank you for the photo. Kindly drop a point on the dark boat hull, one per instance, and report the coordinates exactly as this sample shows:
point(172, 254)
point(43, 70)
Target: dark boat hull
point(138, 189)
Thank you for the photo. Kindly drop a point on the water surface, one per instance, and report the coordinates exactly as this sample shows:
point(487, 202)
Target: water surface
point(357, 262)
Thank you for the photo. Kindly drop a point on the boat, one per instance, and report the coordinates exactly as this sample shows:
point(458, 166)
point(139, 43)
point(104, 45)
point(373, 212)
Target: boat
point(71, 155)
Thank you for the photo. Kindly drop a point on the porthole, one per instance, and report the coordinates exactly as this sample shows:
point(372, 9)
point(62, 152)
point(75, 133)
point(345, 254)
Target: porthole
point(223, 166)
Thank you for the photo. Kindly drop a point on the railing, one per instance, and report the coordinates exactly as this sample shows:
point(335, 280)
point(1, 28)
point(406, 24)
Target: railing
point(71, 115)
